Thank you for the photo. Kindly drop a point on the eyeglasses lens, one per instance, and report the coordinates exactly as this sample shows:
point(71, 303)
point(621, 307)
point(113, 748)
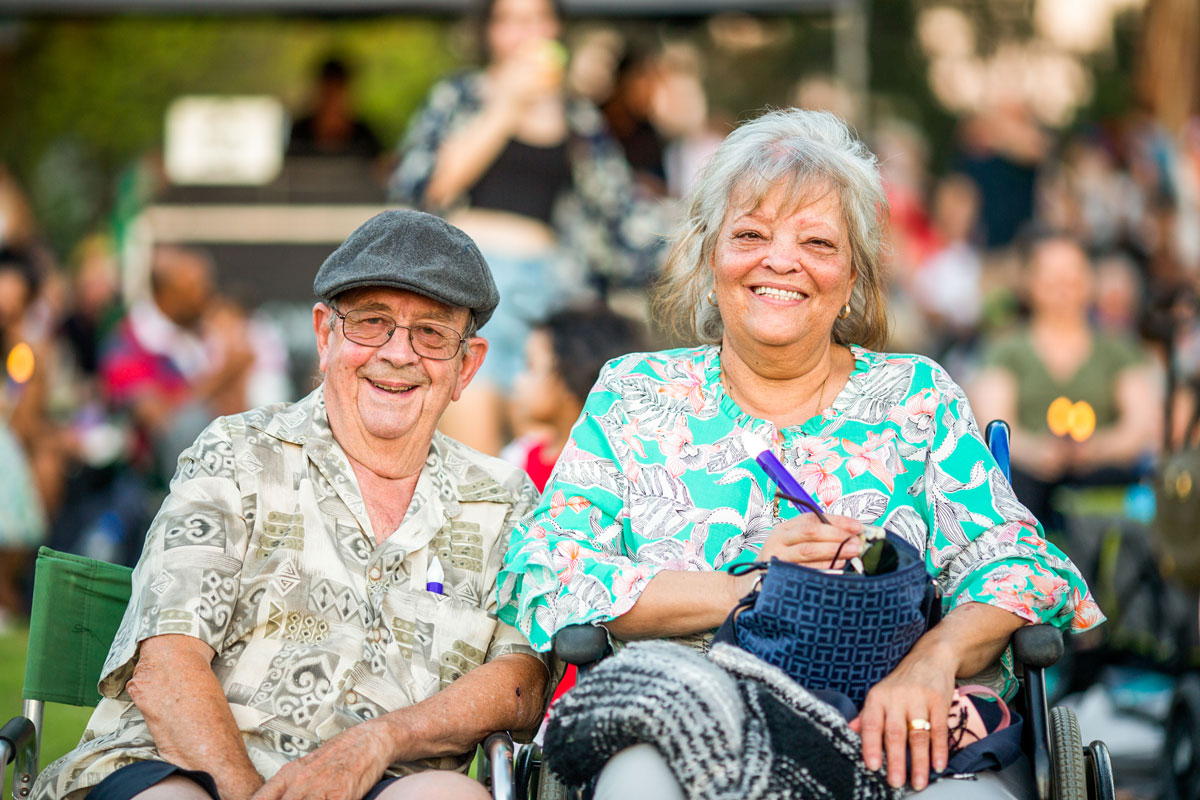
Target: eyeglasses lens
point(428, 339)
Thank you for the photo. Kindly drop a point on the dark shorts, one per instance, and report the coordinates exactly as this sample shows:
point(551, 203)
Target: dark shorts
point(133, 779)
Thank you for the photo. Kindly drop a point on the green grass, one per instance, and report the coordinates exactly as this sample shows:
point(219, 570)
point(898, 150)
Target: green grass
point(63, 724)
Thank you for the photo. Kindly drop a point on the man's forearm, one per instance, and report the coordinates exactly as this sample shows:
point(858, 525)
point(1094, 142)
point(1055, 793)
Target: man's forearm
point(504, 694)
point(174, 687)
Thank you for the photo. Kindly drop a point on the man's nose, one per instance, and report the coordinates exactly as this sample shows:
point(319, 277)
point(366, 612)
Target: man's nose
point(398, 349)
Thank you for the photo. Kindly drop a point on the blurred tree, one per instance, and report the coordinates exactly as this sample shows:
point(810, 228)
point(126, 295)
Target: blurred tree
point(82, 98)
point(1168, 78)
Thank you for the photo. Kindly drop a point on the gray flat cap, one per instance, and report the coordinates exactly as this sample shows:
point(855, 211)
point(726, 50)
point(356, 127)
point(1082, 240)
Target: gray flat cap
point(414, 251)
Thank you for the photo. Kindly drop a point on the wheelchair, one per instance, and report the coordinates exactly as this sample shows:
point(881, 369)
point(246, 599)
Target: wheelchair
point(1063, 767)
point(77, 607)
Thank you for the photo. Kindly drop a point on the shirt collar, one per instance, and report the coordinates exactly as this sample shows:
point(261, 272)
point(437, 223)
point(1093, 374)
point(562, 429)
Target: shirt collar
point(452, 477)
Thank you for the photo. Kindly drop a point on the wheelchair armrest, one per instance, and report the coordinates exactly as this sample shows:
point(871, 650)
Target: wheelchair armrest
point(498, 747)
point(1038, 645)
point(581, 644)
point(17, 734)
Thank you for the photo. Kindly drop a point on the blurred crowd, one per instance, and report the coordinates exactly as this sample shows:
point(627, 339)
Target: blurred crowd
point(1055, 275)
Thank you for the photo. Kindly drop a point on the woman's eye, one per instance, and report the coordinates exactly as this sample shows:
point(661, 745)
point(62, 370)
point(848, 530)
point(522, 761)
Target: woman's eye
point(748, 235)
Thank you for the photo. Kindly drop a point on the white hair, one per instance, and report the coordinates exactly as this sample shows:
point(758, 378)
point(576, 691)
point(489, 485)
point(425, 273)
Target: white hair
point(808, 153)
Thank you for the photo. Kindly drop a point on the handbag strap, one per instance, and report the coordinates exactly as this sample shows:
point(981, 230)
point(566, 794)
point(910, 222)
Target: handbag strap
point(728, 631)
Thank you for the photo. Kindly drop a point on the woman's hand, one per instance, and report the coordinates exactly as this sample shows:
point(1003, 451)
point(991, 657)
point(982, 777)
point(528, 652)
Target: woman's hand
point(533, 71)
point(919, 689)
point(967, 640)
point(809, 542)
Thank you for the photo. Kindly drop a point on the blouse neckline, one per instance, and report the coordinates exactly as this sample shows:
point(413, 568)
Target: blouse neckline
point(813, 425)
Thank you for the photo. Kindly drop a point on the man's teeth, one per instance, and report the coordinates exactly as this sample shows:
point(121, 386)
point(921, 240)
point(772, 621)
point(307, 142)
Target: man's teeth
point(782, 294)
point(393, 390)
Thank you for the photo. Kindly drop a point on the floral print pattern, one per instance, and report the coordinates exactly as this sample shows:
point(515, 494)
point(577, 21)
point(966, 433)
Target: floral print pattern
point(655, 477)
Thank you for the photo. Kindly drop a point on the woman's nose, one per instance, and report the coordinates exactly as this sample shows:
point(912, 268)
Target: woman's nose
point(782, 255)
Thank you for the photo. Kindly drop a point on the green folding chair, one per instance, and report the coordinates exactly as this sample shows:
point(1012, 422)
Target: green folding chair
point(77, 606)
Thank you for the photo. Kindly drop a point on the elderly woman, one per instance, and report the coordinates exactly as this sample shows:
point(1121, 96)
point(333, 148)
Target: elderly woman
point(777, 271)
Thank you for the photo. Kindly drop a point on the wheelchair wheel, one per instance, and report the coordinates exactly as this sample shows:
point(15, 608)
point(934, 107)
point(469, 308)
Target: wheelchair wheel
point(550, 789)
point(1068, 773)
point(1181, 743)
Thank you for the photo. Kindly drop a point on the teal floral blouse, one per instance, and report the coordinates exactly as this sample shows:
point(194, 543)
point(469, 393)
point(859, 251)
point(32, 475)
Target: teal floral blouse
point(655, 477)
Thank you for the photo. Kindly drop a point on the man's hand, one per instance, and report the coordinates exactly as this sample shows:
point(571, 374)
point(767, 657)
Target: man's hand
point(344, 768)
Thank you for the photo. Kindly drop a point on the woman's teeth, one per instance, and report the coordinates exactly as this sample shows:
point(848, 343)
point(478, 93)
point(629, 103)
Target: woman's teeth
point(782, 294)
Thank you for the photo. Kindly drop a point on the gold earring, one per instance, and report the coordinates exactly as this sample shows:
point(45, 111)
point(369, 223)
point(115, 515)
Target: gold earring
point(845, 312)
point(712, 297)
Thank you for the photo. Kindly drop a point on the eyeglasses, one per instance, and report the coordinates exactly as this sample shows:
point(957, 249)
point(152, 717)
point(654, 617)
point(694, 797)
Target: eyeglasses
point(428, 339)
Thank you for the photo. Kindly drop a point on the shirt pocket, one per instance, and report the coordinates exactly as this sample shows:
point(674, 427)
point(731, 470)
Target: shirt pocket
point(436, 638)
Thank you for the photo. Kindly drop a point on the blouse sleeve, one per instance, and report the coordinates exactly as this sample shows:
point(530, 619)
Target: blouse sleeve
point(567, 562)
point(985, 546)
point(448, 102)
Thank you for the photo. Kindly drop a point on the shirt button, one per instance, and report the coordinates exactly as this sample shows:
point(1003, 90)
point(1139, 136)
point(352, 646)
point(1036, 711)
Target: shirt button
point(375, 573)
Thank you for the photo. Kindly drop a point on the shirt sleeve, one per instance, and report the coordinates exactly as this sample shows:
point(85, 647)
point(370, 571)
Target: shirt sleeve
point(567, 562)
point(985, 546)
point(507, 639)
point(187, 580)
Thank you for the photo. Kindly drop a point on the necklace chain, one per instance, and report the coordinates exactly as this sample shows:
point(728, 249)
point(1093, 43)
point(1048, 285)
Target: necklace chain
point(725, 383)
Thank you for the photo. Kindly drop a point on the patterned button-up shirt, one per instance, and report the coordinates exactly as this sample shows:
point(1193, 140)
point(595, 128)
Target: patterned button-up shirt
point(263, 550)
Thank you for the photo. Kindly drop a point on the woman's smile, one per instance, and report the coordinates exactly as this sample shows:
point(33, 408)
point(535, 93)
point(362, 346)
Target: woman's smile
point(782, 272)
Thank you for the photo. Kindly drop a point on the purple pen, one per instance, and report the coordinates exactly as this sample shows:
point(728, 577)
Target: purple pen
point(434, 577)
point(776, 471)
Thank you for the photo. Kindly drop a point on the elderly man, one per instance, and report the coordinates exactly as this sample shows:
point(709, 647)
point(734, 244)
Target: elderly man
point(314, 611)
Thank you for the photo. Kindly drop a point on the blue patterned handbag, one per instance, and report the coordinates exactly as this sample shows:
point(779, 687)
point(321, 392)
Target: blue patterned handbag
point(838, 631)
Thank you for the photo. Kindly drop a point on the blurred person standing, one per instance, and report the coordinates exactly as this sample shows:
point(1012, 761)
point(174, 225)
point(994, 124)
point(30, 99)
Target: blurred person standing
point(563, 358)
point(162, 379)
point(95, 306)
point(1084, 404)
point(1002, 150)
point(683, 116)
point(532, 174)
point(947, 285)
point(629, 112)
point(22, 426)
point(331, 128)
point(157, 366)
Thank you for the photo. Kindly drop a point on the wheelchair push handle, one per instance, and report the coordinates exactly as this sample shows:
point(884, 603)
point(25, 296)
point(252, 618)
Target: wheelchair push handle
point(998, 437)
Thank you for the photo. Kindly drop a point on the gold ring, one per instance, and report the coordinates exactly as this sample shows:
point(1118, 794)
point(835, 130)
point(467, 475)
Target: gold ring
point(919, 725)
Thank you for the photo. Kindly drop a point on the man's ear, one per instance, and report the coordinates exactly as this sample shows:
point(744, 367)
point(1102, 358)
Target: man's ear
point(471, 362)
point(322, 314)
